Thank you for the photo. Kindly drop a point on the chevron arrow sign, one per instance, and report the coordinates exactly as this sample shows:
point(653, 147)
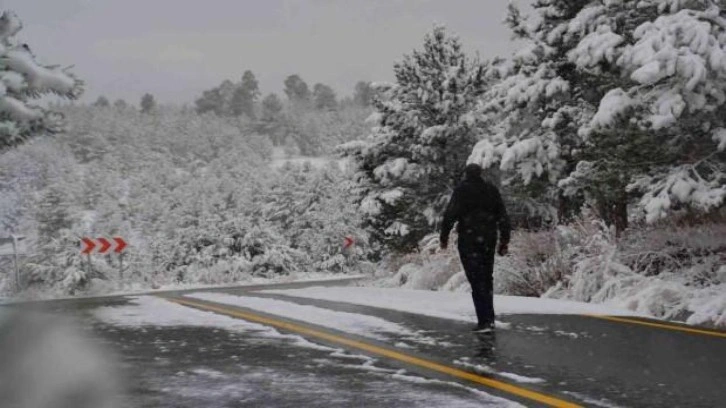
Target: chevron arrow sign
point(102, 245)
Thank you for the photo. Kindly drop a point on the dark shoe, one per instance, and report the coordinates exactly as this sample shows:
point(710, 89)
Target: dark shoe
point(484, 328)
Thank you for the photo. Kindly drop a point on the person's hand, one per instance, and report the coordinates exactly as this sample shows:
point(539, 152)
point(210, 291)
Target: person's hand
point(503, 249)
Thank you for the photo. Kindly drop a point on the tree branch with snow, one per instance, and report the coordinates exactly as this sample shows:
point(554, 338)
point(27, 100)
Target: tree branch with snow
point(634, 88)
point(22, 80)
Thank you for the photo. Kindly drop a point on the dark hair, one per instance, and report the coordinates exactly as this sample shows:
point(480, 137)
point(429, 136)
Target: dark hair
point(472, 171)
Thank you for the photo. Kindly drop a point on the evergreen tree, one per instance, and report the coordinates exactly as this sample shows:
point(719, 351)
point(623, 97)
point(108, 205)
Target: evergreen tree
point(210, 101)
point(297, 90)
point(363, 94)
point(271, 118)
point(324, 97)
point(102, 102)
point(313, 209)
point(245, 96)
point(148, 103)
point(52, 213)
point(227, 90)
point(271, 107)
point(616, 98)
point(120, 104)
point(24, 80)
point(418, 152)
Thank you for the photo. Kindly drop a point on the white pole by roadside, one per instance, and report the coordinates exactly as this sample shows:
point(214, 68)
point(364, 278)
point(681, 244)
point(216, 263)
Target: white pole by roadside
point(15, 263)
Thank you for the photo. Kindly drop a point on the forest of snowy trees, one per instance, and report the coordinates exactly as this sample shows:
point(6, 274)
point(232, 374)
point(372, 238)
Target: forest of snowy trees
point(194, 194)
point(191, 189)
point(606, 131)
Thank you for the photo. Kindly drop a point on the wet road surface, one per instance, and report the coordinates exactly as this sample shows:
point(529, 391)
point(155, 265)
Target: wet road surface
point(588, 361)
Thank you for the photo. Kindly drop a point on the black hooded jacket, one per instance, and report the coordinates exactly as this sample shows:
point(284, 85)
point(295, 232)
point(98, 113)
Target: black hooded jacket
point(479, 210)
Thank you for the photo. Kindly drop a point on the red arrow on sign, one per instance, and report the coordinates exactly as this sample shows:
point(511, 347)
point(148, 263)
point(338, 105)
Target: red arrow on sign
point(102, 245)
point(120, 244)
point(347, 242)
point(105, 245)
point(89, 245)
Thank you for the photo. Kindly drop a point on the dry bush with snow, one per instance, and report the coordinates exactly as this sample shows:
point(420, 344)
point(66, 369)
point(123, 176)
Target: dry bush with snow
point(537, 253)
point(428, 269)
point(668, 271)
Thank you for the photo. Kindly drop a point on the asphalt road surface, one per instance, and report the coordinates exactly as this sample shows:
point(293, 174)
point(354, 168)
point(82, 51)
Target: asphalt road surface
point(542, 360)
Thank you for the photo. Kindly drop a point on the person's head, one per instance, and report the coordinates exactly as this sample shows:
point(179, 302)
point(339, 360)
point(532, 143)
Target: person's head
point(472, 171)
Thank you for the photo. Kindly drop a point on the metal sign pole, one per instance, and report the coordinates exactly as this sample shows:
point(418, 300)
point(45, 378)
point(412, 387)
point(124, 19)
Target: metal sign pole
point(121, 266)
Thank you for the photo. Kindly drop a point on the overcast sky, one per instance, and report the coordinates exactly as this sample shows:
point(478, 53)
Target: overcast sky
point(177, 48)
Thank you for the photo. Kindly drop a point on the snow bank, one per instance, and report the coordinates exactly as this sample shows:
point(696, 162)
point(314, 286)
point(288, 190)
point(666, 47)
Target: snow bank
point(434, 273)
point(101, 288)
point(711, 307)
point(362, 325)
point(313, 162)
point(155, 311)
point(671, 272)
point(486, 370)
point(448, 305)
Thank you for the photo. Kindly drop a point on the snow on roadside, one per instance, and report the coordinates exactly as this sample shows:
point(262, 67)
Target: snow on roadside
point(362, 325)
point(139, 289)
point(280, 159)
point(710, 307)
point(369, 364)
point(601, 403)
point(491, 400)
point(447, 305)
point(155, 311)
point(482, 369)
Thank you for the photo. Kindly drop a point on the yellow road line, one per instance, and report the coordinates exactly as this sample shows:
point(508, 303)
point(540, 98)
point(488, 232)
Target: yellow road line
point(381, 351)
point(661, 325)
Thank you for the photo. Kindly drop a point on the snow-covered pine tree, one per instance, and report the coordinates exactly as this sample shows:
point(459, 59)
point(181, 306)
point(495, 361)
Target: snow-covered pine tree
point(120, 104)
point(245, 96)
point(324, 97)
point(613, 98)
point(102, 102)
point(297, 90)
point(312, 209)
point(210, 101)
point(271, 118)
point(22, 80)
point(417, 153)
point(363, 94)
point(226, 91)
point(148, 103)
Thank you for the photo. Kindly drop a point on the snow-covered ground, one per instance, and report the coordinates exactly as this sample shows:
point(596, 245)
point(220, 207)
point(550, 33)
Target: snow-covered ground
point(667, 272)
point(448, 305)
point(280, 159)
point(121, 289)
point(155, 311)
point(316, 162)
point(362, 325)
point(483, 369)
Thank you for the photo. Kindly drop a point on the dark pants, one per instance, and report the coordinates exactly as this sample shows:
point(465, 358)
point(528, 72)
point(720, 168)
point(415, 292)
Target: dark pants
point(478, 261)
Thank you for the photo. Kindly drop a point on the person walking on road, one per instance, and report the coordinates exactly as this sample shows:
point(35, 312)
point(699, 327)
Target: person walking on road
point(477, 206)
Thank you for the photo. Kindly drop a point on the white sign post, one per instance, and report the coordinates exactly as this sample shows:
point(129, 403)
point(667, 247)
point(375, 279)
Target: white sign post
point(14, 246)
